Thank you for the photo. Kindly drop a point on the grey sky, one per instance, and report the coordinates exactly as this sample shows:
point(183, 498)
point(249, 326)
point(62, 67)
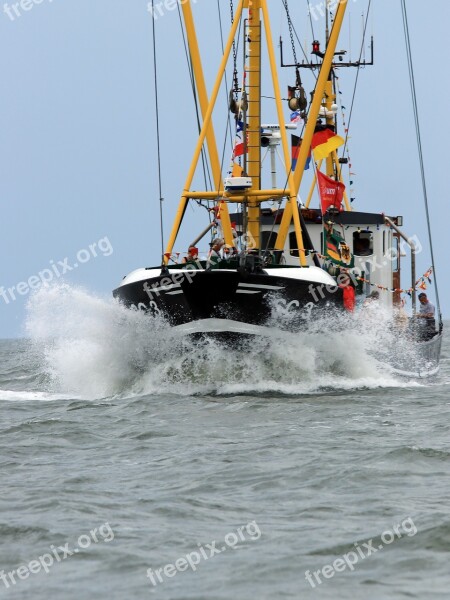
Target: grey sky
point(77, 151)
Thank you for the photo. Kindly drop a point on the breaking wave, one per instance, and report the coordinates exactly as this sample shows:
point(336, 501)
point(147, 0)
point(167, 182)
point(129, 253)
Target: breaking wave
point(94, 348)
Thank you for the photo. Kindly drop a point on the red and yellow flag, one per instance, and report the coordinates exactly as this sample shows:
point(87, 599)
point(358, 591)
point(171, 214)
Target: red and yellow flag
point(324, 142)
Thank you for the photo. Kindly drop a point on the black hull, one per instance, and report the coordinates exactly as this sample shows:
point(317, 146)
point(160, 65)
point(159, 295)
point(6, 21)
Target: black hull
point(233, 306)
point(184, 297)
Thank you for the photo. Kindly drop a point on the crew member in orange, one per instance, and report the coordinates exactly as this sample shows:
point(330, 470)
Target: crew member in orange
point(348, 292)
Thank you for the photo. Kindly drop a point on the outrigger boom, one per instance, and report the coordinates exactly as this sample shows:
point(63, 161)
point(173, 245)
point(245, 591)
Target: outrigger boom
point(253, 197)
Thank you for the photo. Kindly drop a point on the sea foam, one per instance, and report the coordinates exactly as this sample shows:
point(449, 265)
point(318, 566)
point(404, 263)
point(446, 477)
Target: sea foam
point(94, 348)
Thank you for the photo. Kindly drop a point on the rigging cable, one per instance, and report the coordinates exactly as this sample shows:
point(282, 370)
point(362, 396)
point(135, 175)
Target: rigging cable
point(161, 199)
point(292, 30)
point(235, 50)
point(357, 76)
point(419, 146)
point(229, 130)
point(310, 19)
point(205, 165)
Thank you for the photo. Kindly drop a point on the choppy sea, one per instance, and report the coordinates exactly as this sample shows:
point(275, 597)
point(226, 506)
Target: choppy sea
point(136, 467)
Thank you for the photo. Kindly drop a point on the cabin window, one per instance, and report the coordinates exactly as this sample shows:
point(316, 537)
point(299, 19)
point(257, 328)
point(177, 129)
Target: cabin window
point(362, 243)
point(384, 243)
point(268, 240)
point(396, 254)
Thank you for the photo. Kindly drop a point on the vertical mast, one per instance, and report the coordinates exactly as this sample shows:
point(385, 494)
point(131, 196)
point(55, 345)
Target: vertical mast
point(330, 97)
point(253, 65)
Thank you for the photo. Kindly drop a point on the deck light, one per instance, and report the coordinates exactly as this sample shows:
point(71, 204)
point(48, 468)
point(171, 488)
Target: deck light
point(316, 48)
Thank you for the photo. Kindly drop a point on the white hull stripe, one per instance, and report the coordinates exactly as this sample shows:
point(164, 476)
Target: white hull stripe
point(165, 288)
point(260, 286)
point(248, 292)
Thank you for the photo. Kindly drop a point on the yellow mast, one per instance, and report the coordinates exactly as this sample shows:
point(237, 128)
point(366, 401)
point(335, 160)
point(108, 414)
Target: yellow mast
point(341, 179)
point(312, 119)
point(330, 97)
point(253, 70)
point(333, 165)
point(254, 196)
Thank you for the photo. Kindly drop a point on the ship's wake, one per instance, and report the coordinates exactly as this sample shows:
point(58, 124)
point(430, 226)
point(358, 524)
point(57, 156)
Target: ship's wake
point(94, 348)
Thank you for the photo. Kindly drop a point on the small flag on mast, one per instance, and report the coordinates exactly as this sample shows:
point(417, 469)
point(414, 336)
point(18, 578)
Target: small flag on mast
point(331, 192)
point(238, 149)
point(324, 142)
point(296, 145)
point(237, 170)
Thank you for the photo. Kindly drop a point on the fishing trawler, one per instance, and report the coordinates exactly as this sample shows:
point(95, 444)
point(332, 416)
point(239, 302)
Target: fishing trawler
point(269, 254)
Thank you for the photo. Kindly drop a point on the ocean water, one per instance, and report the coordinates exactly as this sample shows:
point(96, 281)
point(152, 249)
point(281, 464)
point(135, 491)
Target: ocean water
point(135, 465)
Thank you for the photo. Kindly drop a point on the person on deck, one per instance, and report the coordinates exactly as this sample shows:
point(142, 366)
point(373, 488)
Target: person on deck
point(348, 293)
point(426, 317)
point(192, 255)
point(216, 247)
point(215, 254)
point(426, 310)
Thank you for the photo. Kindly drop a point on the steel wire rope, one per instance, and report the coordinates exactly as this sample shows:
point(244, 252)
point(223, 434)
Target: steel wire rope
point(357, 78)
point(205, 164)
point(229, 128)
point(158, 141)
point(419, 146)
point(292, 30)
point(310, 19)
point(281, 199)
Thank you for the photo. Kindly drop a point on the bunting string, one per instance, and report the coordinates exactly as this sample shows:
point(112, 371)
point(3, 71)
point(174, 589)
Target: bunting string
point(421, 284)
point(347, 148)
